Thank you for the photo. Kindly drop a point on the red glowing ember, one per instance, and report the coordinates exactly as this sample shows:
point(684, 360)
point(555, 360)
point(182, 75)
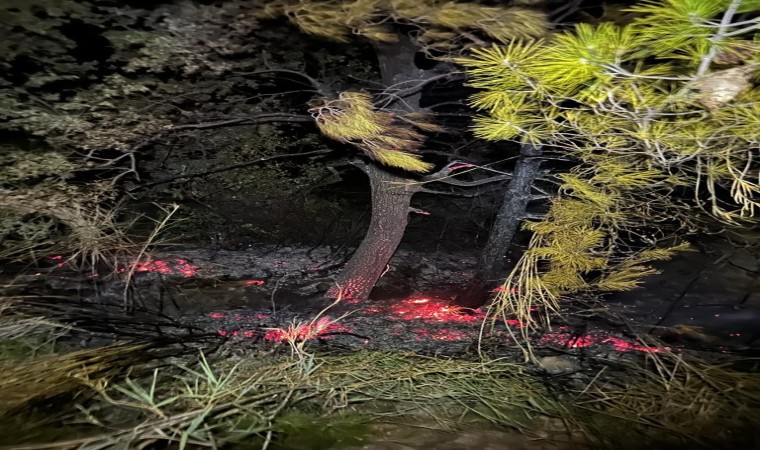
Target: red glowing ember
point(433, 310)
point(58, 258)
point(621, 345)
point(461, 166)
point(440, 335)
point(246, 333)
point(501, 289)
point(238, 317)
point(306, 331)
point(178, 266)
point(253, 282)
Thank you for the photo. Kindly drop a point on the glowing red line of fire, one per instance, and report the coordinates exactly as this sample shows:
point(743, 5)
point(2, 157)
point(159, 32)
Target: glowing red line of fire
point(425, 309)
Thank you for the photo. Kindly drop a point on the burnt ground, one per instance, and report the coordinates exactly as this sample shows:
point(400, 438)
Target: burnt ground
point(705, 304)
point(705, 301)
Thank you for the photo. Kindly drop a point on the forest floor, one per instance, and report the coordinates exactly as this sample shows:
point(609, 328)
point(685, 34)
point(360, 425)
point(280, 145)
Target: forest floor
point(269, 300)
point(704, 300)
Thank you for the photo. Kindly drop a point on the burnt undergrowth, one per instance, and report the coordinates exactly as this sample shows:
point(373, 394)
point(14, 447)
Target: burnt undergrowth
point(270, 378)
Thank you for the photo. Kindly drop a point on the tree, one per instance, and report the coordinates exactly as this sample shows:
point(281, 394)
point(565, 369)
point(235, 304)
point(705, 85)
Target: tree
point(659, 115)
point(96, 95)
point(388, 131)
point(118, 92)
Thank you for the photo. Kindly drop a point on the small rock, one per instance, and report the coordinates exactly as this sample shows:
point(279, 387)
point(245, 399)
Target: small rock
point(555, 365)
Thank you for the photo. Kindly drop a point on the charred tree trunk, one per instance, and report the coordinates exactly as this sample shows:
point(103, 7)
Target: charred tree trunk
point(492, 265)
point(391, 198)
point(493, 259)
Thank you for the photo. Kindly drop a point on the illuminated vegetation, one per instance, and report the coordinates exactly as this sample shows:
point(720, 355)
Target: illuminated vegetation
point(664, 103)
point(646, 127)
point(192, 393)
point(444, 26)
point(385, 137)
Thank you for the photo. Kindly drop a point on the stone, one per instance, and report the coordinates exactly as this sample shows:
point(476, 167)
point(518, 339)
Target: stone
point(555, 365)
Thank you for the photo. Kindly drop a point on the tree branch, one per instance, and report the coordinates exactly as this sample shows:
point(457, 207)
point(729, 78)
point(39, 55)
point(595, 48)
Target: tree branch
point(255, 118)
point(420, 84)
point(720, 34)
point(227, 167)
point(319, 87)
point(565, 10)
point(461, 183)
point(454, 194)
point(444, 176)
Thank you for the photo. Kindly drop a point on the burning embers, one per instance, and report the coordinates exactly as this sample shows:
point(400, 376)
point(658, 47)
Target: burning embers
point(295, 332)
point(431, 310)
point(178, 266)
point(569, 340)
point(424, 319)
point(298, 332)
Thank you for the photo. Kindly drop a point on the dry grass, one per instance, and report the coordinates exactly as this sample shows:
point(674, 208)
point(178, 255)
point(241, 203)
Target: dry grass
point(209, 406)
point(241, 395)
point(49, 376)
point(673, 401)
point(247, 397)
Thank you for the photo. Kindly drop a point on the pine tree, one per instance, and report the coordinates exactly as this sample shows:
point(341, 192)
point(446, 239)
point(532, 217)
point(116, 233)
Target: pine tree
point(441, 28)
point(389, 130)
point(664, 103)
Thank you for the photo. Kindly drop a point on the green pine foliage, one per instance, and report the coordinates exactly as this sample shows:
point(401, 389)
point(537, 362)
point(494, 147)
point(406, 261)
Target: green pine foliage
point(669, 100)
point(442, 27)
point(441, 24)
point(385, 137)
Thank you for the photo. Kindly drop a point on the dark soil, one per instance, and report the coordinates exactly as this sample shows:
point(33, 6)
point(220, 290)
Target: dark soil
point(255, 295)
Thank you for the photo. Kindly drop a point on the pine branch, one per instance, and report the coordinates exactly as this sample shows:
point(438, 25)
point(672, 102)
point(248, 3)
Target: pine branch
point(720, 34)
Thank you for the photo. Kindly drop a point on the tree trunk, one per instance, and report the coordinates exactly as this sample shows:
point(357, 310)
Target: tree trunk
point(391, 194)
point(398, 70)
point(391, 198)
point(492, 265)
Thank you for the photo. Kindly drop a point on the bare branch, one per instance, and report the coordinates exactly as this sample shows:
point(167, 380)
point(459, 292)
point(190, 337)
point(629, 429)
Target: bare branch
point(148, 140)
point(394, 94)
point(422, 83)
point(319, 87)
point(461, 183)
point(448, 103)
point(719, 36)
point(474, 193)
point(444, 176)
point(565, 10)
point(228, 167)
point(255, 118)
